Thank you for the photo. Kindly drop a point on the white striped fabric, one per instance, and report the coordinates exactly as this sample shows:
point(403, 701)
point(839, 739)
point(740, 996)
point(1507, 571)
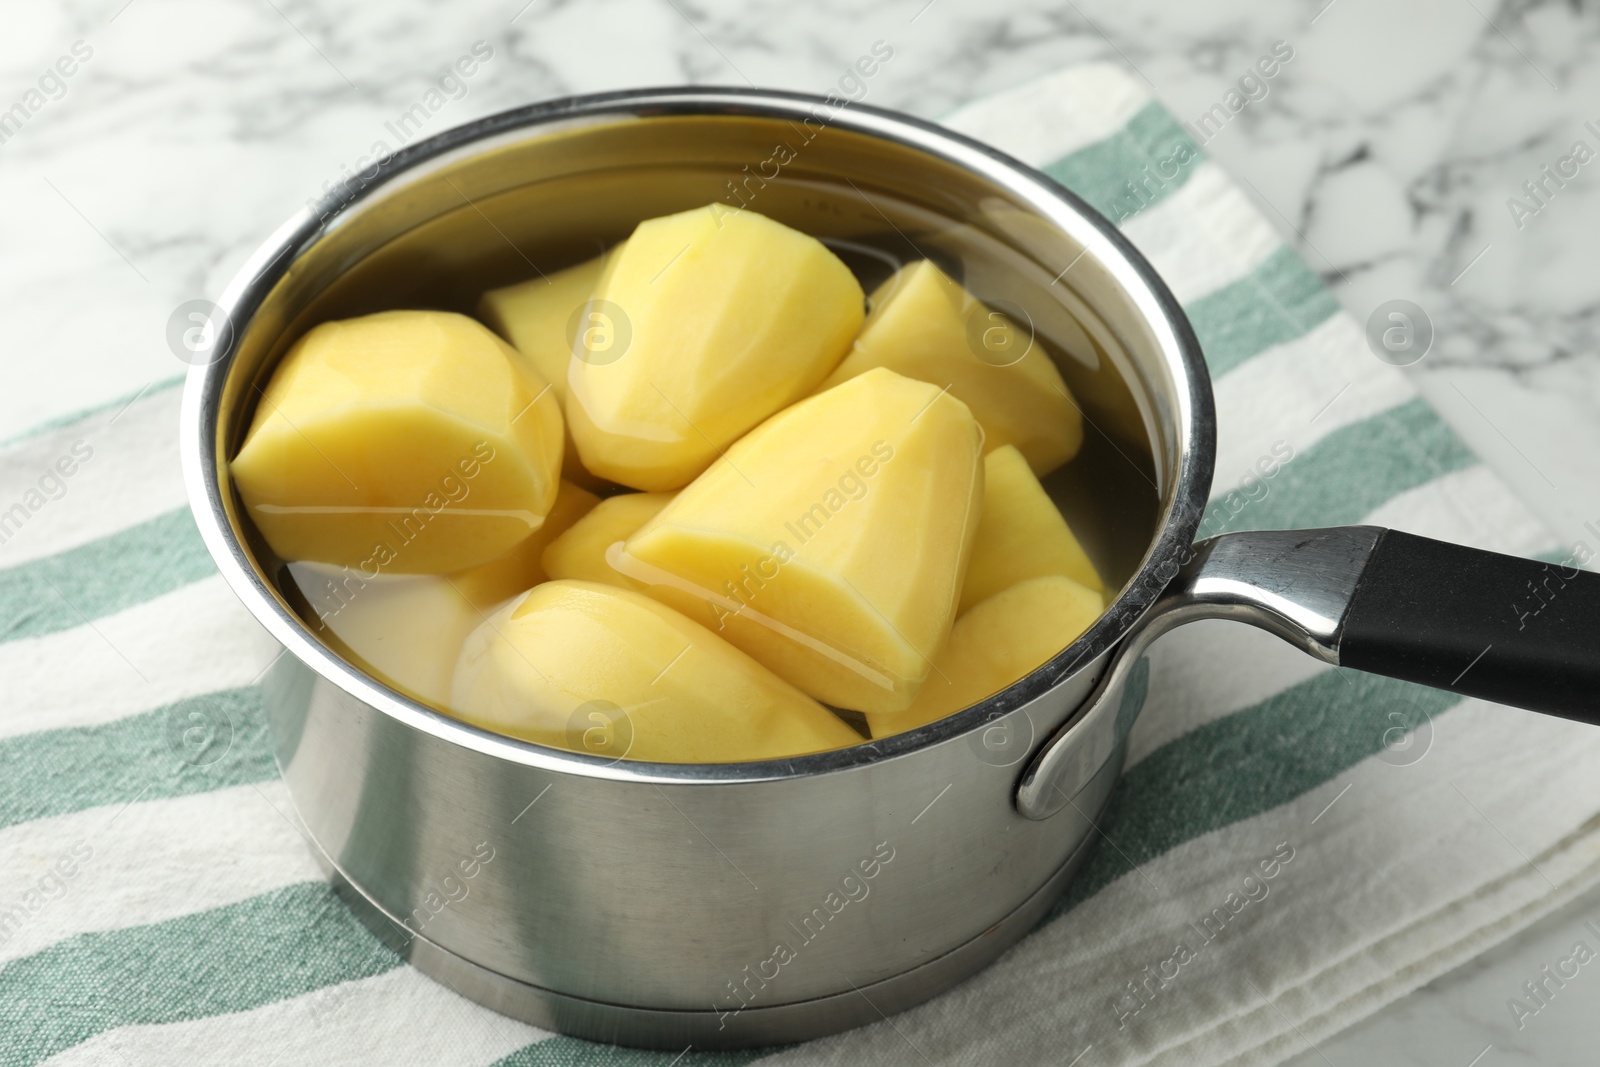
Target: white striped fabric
point(345, 1023)
point(1234, 239)
point(194, 640)
point(122, 475)
point(1318, 383)
point(1052, 118)
point(145, 862)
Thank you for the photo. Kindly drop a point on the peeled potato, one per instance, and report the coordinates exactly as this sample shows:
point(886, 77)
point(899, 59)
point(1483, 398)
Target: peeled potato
point(520, 569)
point(830, 542)
point(997, 643)
point(712, 320)
point(535, 316)
point(414, 442)
point(406, 630)
point(581, 552)
point(926, 326)
point(1021, 535)
point(610, 672)
point(836, 508)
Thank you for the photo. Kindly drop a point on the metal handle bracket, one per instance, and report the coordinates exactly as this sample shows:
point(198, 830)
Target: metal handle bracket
point(1297, 584)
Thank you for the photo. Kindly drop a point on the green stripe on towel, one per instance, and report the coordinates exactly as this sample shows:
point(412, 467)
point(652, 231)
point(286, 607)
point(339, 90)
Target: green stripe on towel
point(230, 959)
point(1347, 475)
point(102, 577)
point(85, 414)
point(1141, 165)
point(1275, 303)
point(56, 772)
point(1248, 763)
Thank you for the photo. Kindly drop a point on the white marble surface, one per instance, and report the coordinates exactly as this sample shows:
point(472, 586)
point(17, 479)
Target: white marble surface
point(1386, 151)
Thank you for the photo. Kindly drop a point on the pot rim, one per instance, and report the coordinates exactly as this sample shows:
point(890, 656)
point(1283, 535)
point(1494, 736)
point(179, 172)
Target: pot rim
point(1179, 516)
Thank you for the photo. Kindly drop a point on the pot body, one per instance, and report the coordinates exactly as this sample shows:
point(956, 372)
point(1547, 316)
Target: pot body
point(736, 904)
point(728, 913)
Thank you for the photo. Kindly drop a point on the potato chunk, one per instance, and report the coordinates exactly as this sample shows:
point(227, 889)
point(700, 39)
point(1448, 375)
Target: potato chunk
point(581, 552)
point(489, 584)
point(713, 320)
point(997, 643)
point(535, 317)
point(607, 671)
point(831, 541)
point(413, 442)
point(926, 326)
point(406, 630)
point(1021, 535)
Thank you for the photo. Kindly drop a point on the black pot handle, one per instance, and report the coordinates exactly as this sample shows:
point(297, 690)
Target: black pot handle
point(1515, 631)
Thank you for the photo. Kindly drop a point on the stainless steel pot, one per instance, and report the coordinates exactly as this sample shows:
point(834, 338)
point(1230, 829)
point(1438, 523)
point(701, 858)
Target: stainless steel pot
point(758, 903)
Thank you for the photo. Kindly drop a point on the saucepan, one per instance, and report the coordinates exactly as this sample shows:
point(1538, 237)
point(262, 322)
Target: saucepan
point(747, 904)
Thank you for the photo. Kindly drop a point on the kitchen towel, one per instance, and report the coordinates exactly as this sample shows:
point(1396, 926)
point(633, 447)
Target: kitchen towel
point(1293, 845)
